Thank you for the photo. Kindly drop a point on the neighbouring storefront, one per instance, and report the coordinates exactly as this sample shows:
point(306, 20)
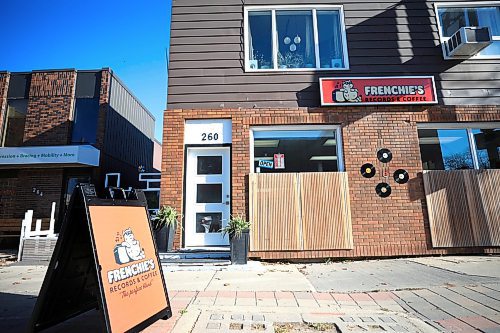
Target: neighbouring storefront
point(62, 127)
point(330, 150)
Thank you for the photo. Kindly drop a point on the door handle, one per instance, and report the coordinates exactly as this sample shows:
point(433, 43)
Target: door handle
point(227, 203)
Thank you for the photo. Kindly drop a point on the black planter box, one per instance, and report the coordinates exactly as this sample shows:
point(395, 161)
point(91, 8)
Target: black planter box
point(164, 238)
point(239, 248)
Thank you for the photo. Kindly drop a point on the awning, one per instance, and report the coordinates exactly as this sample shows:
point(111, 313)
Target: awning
point(47, 156)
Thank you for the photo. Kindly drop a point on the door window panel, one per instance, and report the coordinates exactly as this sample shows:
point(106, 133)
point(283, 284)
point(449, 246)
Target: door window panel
point(209, 165)
point(209, 193)
point(208, 222)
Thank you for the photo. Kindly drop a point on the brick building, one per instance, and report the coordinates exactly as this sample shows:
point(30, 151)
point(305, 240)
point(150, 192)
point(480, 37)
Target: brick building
point(344, 129)
point(61, 127)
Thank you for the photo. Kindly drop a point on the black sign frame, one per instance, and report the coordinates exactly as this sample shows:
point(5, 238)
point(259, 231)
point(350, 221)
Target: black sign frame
point(74, 266)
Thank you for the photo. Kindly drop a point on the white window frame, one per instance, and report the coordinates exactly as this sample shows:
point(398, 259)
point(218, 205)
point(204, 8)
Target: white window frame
point(464, 126)
point(274, 50)
point(336, 128)
point(443, 39)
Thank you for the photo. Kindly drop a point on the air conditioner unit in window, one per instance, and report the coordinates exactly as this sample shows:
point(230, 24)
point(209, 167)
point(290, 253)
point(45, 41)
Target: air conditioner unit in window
point(468, 41)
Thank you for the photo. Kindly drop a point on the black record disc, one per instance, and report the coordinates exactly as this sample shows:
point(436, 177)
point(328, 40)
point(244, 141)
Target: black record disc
point(383, 190)
point(368, 170)
point(384, 155)
point(401, 176)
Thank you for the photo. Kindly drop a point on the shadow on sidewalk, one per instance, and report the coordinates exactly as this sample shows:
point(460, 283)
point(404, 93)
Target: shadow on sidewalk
point(16, 310)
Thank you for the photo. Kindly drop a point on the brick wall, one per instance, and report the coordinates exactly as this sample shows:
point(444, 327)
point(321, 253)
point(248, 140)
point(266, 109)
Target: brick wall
point(392, 226)
point(50, 108)
point(4, 84)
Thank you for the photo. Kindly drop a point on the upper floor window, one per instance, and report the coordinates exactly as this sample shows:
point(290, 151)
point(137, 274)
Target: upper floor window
point(452, 17)
point(295, 38)
point(12, 131)
point(86, 108)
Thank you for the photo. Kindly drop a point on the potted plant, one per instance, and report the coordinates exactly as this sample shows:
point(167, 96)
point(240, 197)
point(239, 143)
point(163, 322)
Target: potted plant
point(238, 229)
point(164, 224)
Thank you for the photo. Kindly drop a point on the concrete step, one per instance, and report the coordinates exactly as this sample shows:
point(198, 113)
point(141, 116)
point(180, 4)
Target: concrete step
point(196, 257)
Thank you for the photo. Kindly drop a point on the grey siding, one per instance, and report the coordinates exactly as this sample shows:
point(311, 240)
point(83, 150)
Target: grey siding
point(129, 135)
point(130, 108)
point(389, 38)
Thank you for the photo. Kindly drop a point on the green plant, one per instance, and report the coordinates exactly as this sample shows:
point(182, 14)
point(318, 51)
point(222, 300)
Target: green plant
point(166, 216)
point(236, 225)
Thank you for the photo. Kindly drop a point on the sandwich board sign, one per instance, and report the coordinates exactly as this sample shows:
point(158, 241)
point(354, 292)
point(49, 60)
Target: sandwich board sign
point(105, 258)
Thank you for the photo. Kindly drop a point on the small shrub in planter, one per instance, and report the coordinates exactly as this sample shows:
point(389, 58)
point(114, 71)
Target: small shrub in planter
point(238, 229)
point(164, 225)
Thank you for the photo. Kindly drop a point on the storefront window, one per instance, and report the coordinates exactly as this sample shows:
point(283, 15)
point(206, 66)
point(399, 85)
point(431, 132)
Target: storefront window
point(487, 143)
point(295, 151)
point(459, 148)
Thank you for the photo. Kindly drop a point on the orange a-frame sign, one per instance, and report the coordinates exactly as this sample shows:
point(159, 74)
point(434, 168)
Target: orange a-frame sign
point(112, 242)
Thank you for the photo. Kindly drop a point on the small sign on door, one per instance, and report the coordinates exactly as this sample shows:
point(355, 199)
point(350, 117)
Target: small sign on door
point(279, 161)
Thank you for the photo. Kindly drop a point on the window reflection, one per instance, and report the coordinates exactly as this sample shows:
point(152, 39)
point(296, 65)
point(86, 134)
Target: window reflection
point(487, 147)
point(15, 122)
point(445, 149)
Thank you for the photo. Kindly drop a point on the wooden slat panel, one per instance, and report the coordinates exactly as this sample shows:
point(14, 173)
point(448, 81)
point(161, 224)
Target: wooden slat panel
point(488, 182)
point(300, 211)
point(274, 212)
point(326, 222)
point(463, 207)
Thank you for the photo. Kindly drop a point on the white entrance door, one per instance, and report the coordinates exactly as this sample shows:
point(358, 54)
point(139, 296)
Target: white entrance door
point(208, 192)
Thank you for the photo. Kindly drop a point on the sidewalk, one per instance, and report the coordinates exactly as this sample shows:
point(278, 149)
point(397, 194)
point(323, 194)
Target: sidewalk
point(447, 294)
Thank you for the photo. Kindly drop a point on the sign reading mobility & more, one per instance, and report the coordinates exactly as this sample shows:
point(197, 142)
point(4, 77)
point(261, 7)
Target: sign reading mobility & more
point(106, 259)
point(377, 90)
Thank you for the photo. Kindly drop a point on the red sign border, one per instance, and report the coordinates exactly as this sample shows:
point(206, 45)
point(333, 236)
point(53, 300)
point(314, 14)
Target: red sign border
point(434, 101)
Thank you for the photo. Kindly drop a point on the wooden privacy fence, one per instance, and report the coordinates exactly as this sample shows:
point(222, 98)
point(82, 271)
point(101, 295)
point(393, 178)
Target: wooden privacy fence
point(300, 211)
point(464, 207)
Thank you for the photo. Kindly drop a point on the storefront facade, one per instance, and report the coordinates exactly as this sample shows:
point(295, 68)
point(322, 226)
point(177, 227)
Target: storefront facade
point(327, 127)
point(61, 127)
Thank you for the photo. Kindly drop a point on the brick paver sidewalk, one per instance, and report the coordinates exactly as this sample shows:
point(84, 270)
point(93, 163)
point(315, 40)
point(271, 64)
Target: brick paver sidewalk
point(455, 309)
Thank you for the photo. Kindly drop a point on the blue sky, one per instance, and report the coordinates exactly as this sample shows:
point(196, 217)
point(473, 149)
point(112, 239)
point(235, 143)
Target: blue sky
point(129, 36)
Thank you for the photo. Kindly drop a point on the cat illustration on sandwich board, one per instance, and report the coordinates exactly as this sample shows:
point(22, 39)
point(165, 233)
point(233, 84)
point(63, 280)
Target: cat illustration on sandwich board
point(128, 250)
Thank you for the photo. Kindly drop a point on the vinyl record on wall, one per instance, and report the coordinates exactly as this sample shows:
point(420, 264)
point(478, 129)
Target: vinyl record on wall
point(401, 176)
point(383, 190)
point(368, 170)
point(384, 155)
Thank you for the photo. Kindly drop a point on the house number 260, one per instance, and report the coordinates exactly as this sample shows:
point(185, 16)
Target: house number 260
point(209, 136)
